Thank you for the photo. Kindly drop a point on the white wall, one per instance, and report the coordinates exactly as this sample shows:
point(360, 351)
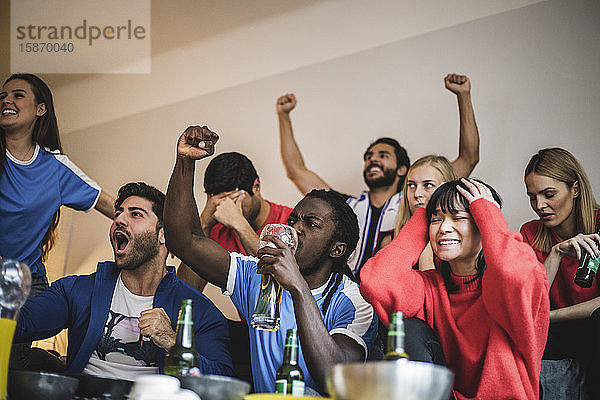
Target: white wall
point(361, 70)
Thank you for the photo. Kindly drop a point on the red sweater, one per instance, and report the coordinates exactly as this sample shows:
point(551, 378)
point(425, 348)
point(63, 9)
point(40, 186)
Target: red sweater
point(493, 331)
point(563, 292)
point(228, 239)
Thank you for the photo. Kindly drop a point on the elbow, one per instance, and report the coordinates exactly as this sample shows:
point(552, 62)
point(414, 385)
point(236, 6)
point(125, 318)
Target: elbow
point(175, 243)
point(474, 160)
point(291, 174)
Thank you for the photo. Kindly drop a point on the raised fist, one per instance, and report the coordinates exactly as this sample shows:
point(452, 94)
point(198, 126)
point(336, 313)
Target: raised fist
point(197, 142)
point(457, 84)
point(285, 103)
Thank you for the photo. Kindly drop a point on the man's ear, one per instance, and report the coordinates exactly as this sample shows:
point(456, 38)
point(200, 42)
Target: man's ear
point(402, 170)
point(256, 186)
point(161, 236)
point(41, 109)
point(338, 249)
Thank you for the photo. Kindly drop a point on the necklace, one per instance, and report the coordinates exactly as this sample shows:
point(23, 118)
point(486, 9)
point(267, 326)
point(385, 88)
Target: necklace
point(26, 156)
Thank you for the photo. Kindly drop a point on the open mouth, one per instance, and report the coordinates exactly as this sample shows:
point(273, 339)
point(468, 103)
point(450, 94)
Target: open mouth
point(8, 111)
point(448, 242)
point(374, 168)
point(121, 241)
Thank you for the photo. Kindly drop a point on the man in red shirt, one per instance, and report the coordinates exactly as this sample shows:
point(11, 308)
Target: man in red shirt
point(235, 211)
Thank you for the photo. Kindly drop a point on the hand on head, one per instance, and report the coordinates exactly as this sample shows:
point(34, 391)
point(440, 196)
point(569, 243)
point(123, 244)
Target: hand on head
point(229, 209)
point(285, 103)
point(457, 84)
point(197, 142)
point(477, 190)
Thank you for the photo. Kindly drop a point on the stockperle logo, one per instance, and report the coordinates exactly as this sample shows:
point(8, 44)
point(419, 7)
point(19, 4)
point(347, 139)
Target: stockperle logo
point(80, 36)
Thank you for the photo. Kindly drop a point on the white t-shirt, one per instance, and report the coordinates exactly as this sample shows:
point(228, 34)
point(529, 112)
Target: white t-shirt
point(122, 351)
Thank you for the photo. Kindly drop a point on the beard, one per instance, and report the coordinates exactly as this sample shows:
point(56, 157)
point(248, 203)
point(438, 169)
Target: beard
point(388, 178)
point(144, 247)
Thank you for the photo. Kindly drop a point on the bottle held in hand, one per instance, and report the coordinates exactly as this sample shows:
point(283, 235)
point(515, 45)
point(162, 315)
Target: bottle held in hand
point(290, 379)
point(395, 339)
point(182, 359)
point(267, 310)
point(588, 267)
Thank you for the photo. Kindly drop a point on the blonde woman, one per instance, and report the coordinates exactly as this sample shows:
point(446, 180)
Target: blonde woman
point(561, 195)
point(423, 177)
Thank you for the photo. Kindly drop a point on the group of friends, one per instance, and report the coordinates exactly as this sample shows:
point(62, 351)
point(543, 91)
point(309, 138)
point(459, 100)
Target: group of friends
point(425, 239)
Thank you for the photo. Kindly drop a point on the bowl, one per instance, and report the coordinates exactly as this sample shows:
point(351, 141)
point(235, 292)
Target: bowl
point(390, 380)
point(91, 386)
point(215, 387)
point(27, 385)
point(274, 396)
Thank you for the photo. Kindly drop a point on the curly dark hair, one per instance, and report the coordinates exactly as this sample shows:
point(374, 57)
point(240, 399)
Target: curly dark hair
point(150, 193)
point(346, 231)
point(229, 171)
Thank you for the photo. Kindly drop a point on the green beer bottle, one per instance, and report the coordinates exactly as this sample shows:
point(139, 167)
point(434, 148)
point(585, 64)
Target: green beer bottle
point(395, 339)
point(290, 379)
point(182, 359)
point(588, 267)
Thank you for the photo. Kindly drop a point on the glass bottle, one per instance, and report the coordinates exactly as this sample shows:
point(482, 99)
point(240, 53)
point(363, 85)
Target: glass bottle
point(268, 306)
point(290, 379)
point(395, 339)
point(588, 267)
point(182, 359)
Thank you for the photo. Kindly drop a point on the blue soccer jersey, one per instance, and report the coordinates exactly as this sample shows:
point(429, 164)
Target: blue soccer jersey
point(30, 193)
point(348, 314)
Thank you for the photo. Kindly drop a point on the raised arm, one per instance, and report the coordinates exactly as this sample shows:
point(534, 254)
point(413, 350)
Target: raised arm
point(183, 230)
point(468, 142)
point(304, 179)
point(514, 284)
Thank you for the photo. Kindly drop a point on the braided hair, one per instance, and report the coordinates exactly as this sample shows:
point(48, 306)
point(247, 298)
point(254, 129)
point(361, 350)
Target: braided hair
point(346, 231)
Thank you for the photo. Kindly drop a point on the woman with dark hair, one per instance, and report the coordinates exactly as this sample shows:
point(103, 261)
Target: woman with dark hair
point(561, 195)
point(487, 299)
point(36, 179)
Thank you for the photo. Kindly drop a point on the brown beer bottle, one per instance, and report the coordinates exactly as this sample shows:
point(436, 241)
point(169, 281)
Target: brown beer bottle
point(395, 339)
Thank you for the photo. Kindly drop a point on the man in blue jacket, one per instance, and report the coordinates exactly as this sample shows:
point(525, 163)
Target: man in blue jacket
point(122, 318)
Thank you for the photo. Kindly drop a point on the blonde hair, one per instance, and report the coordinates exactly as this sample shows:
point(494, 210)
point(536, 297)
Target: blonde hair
point(440, 163)
point(561, 165)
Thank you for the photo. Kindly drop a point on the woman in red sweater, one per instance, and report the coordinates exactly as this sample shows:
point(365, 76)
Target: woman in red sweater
point(561, 195)
point(487, 299)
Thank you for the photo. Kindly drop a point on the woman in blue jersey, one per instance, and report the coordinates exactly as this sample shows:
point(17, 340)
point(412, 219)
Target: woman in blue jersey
point(36, 179)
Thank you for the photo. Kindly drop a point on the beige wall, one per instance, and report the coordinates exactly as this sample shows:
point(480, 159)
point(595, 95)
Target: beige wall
point(360, 70)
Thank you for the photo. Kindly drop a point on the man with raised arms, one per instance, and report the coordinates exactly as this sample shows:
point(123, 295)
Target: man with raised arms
point(320, 298)
point(385, 166)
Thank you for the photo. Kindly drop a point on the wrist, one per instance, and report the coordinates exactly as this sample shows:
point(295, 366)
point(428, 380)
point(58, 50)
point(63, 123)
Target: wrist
point(464, 96)
point(299, 289)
